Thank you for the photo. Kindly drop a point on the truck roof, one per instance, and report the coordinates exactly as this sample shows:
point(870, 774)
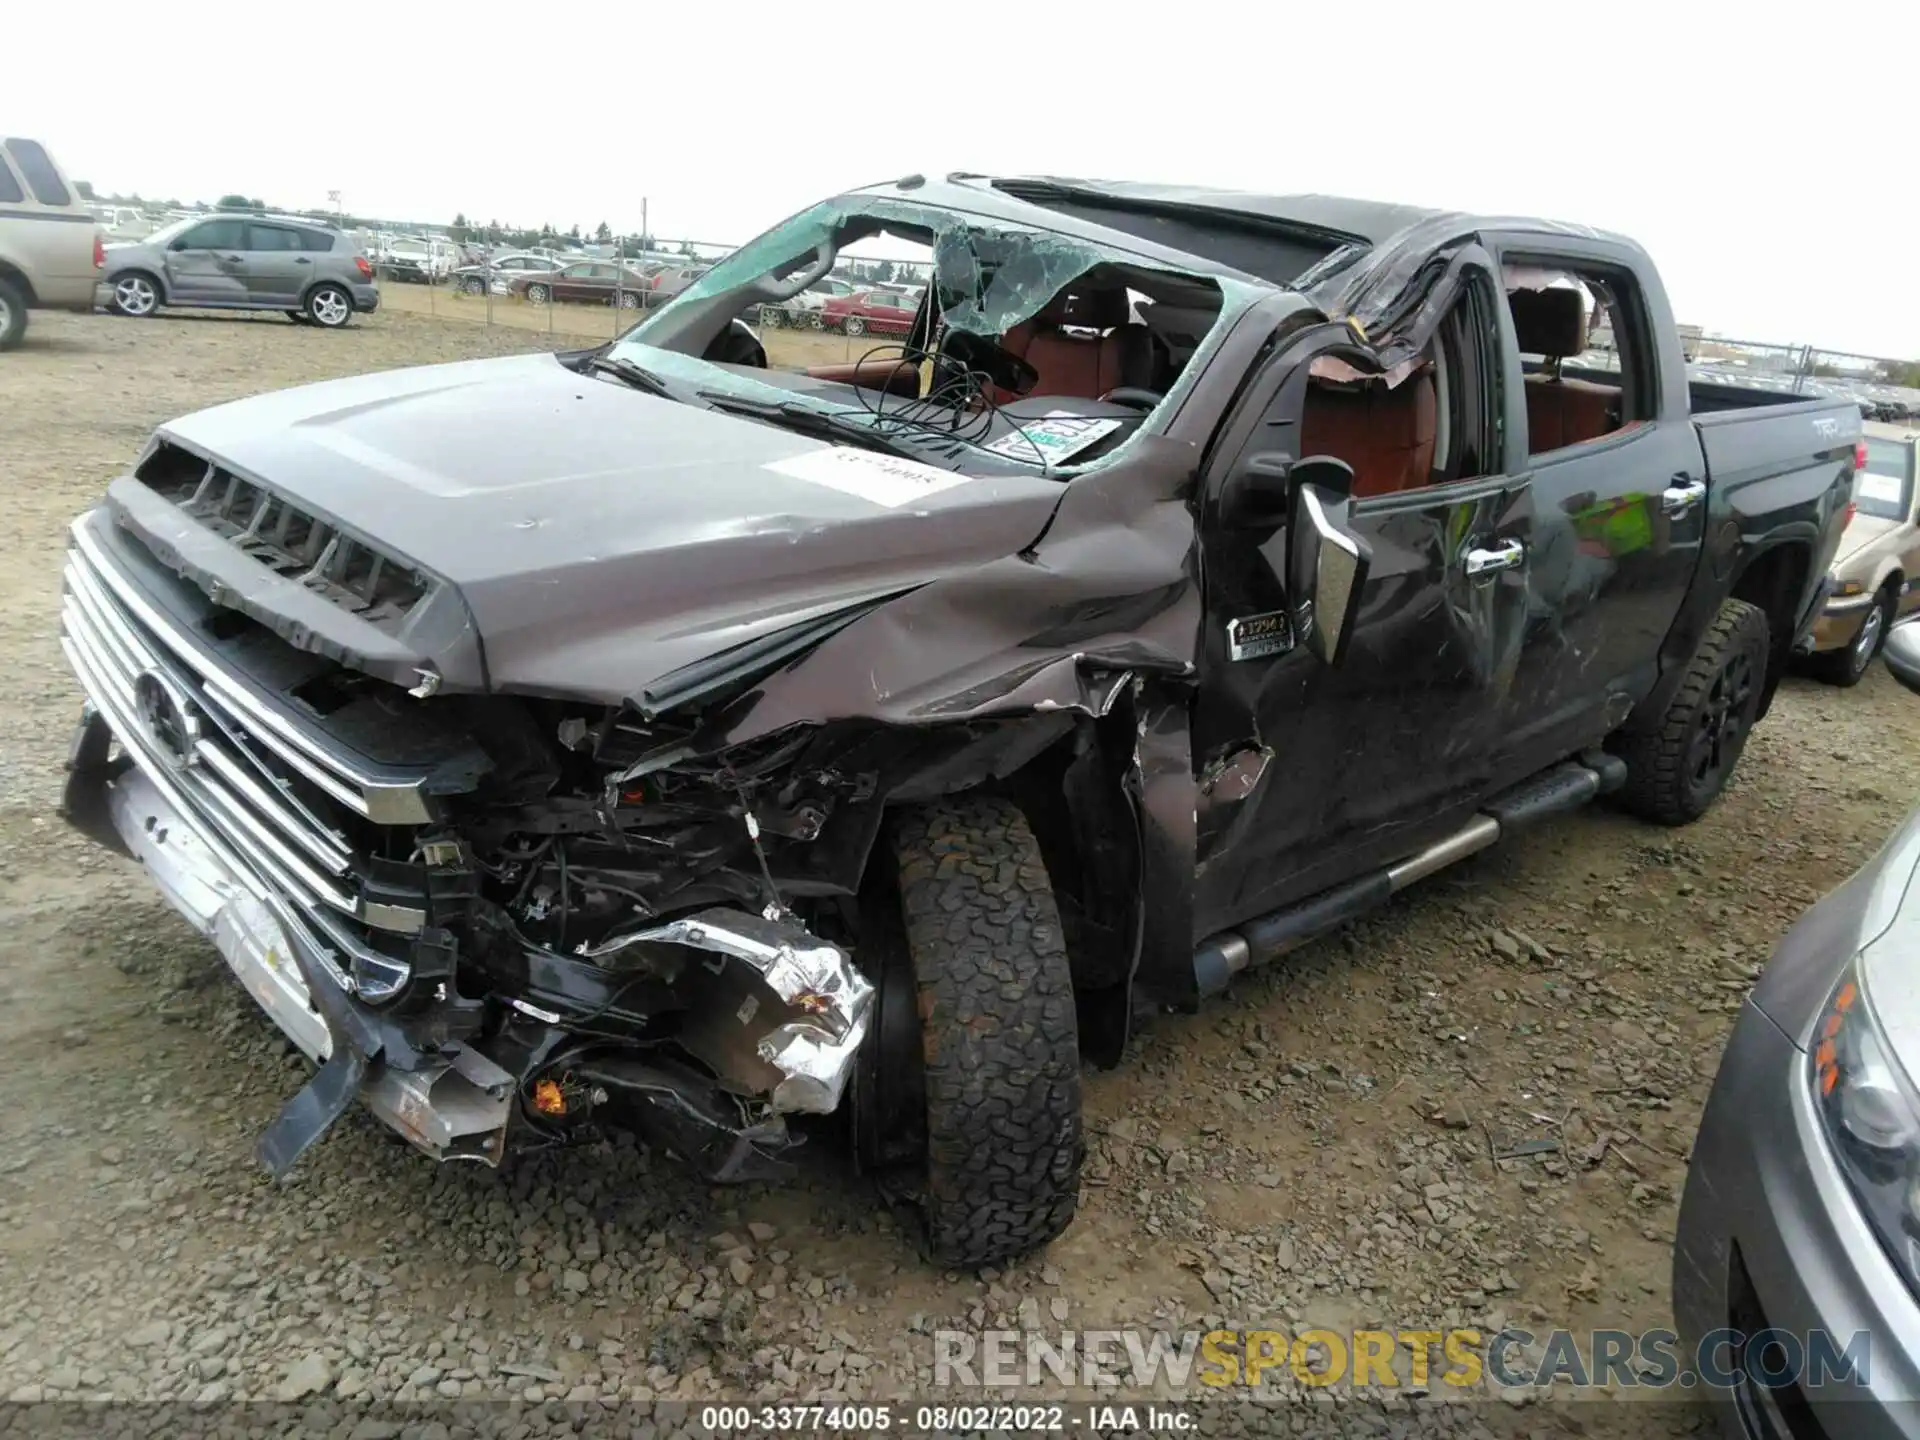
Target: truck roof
point(1369, 222)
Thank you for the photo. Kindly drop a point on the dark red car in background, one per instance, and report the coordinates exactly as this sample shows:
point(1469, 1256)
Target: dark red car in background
point(590, 280)
point(884, 312)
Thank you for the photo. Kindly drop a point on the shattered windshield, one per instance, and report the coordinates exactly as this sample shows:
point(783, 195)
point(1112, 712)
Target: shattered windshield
point(956, 339)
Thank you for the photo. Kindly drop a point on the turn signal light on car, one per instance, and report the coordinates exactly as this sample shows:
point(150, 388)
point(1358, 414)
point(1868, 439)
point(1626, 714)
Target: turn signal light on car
point(1825, 1056)
point(1859, 454)
point(361, 263)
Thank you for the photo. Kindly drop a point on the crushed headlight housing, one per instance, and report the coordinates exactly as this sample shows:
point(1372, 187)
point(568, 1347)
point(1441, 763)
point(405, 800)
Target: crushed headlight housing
point(1872, 1117)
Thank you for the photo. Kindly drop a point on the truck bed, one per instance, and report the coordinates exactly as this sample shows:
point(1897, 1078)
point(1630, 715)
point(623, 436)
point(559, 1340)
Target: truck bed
point(1709, 397)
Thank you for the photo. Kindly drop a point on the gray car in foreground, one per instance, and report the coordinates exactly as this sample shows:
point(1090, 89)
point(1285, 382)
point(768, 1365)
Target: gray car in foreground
point(316, 275)
point(1796, 1271)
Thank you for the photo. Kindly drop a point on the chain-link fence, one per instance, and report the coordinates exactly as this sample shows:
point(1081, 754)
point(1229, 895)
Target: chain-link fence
point(597, 288)
point(1880, 386)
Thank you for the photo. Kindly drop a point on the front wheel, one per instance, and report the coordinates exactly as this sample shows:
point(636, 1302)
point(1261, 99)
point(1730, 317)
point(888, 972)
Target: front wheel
point(1677, 767)
point(538, 294)
point(855, 325)
point(1847, 667)
point(629, 299)
point(974, 1066)
point(330, 306)
point(473, 285)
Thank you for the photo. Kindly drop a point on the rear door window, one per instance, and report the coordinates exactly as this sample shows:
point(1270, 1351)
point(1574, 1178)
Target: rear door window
point(272, 237)
point(37, 166)
point(10, 191)
point(319, 240)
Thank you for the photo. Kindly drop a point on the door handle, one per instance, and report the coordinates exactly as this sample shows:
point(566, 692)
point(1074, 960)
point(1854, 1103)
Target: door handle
point(1682, 496)
point(1509, 555)
point(301, 260)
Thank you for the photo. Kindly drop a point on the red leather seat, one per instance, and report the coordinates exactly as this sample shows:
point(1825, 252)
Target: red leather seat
point(1552, 323)
point(1114, 351)
point(1387, 436)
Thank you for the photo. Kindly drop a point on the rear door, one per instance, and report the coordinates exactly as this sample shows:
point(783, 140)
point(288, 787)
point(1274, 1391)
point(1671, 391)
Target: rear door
point(1312, 774)
point(1619, 488)
point(207, 264)
point(896, 314)
point(278, 264)
point(574, 283)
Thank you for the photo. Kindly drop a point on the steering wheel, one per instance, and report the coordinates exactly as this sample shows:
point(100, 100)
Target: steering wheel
point(1134, 396)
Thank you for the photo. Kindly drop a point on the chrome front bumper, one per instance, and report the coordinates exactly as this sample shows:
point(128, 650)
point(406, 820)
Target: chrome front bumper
point(456, 1108)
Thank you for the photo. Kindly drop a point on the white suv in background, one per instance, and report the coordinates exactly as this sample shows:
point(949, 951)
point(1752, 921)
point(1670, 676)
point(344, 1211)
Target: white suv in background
point(50, 248)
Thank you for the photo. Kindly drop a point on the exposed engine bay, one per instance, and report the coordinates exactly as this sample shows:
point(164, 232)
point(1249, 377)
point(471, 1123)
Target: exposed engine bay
point(593, 918)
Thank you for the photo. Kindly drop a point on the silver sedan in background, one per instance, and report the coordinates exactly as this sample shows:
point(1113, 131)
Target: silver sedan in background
point(1796, 1271)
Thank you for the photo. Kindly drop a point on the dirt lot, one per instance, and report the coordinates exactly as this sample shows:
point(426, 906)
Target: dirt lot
point(1317, 1149)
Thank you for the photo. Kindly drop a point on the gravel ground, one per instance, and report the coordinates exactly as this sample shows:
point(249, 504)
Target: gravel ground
point(1316, 1149)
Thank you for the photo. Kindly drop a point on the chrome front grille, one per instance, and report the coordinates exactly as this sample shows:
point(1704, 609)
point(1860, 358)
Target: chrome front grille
point(267, 792)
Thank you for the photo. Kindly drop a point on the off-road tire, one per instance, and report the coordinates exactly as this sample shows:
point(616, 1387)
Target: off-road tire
point(1662, 785)
point(998, 1032)
point(13, 314)
point(1848, 666)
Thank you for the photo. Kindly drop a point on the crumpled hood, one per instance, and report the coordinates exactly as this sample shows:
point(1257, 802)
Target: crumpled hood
point(601, 537)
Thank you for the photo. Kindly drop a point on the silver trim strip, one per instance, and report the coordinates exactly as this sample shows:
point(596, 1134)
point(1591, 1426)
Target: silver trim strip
point(211, 777)
point(381, 801)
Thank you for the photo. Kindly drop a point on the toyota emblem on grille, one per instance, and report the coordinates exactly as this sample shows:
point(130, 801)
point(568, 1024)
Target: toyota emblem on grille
point(170, 719)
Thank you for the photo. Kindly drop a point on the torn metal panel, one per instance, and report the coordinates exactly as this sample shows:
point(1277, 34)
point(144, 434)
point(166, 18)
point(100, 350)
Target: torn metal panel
point(1110, 591)
point(1167, 796)
point(812, 1054)
point(1372, 285)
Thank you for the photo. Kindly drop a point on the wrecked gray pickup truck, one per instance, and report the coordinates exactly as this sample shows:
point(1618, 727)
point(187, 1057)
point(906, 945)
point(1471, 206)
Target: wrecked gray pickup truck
point(654, 737)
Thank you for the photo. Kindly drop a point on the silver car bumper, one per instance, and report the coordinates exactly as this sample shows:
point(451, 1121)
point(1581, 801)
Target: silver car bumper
point(1770, 1235)
point(457, 1110)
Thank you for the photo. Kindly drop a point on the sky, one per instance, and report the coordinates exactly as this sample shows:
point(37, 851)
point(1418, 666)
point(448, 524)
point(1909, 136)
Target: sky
point(1768, 164)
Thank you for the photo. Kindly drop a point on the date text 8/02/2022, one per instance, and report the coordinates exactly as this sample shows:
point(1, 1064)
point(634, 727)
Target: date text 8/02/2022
point(1374, 1359)
point(946, 1419)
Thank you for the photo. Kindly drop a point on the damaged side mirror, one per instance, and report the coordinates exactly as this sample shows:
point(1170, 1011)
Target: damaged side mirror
point(1327, 563)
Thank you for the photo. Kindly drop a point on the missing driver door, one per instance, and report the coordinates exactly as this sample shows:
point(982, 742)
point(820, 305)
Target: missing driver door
point(1369, 760)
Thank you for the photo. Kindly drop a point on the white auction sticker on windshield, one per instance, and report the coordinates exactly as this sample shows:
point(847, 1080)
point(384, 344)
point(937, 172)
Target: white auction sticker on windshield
point(1052, 438)
point(887, 480)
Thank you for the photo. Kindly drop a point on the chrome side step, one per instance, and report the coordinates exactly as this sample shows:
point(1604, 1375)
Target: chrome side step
point(1254, 942)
